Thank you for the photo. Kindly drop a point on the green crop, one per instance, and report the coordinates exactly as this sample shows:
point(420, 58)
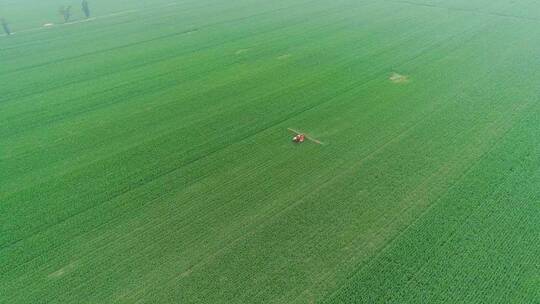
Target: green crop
point(145, 155)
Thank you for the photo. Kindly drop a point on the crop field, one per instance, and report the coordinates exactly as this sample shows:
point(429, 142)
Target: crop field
point(146, 156)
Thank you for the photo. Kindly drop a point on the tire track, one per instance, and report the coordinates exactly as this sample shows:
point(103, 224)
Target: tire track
point(128, 45)
point(148, 63)
point(127, 85)
point(471, 11)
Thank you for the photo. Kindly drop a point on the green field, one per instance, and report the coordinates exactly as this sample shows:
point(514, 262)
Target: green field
point(145, 155)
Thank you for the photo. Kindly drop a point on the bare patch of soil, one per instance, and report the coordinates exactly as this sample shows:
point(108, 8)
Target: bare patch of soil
point(285, 56)
point(62, 271)
point(241, 51)
point(398, 78)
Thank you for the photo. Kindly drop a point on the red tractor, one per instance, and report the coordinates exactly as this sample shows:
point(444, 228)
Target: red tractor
point(300, 138)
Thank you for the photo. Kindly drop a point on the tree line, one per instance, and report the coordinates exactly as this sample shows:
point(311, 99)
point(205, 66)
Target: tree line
point(64, 11)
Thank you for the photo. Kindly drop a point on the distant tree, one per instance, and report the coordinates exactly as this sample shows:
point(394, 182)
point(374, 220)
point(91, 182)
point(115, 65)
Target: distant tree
point(65, 11)
point(5, 25)
point(86, 8)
